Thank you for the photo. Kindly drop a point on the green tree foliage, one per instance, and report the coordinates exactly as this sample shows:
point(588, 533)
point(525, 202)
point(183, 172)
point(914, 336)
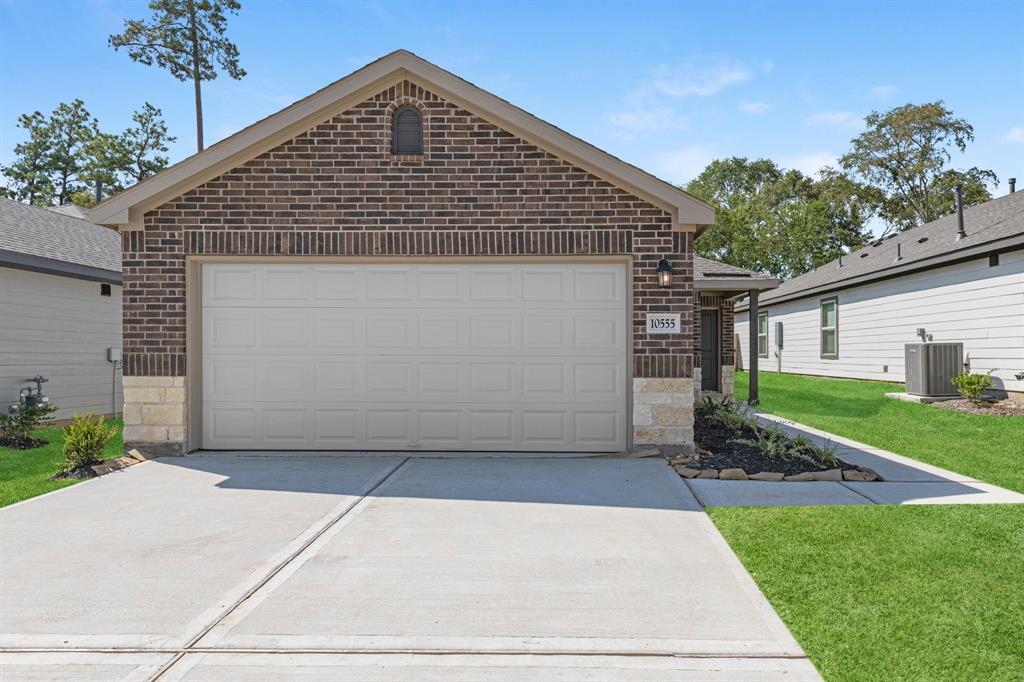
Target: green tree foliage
point(66, 154)
point(186, 37)
point(781, 222)
point(905, 153)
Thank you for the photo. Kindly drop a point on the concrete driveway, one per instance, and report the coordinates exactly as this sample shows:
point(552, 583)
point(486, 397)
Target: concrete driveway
point(227, 567)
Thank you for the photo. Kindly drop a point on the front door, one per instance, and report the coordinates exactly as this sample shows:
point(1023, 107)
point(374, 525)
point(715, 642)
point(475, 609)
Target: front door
point(709, 354)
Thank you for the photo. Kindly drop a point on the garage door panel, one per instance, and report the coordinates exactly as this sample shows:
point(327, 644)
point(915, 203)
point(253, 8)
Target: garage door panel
point(480, 357)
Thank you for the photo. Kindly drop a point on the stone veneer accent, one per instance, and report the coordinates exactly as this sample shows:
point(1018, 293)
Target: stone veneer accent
point(154, 414)
point(663, 411)
point(728, 384)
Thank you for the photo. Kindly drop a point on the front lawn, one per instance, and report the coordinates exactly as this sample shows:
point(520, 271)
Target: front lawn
point(989, 448)
point(26, 473)
point(892, 593)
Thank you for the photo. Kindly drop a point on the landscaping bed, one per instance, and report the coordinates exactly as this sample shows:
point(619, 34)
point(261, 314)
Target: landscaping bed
point(996, 408)
point(731, 445)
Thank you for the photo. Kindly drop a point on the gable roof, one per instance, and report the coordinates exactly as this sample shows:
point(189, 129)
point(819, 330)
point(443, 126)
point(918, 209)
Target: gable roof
point(125, 210)
point(997, 223)
point(35, 238)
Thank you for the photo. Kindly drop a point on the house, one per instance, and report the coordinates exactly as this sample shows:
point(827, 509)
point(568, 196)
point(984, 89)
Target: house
point(60, 308)
point(403, 261)
point(851, 317)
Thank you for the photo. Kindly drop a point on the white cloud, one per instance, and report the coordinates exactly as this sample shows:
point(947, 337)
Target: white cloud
point(755, 108)
point(836, 119)
point(884, 90)
point(683, 80)
point(1015, 136)
point(634, 121)
point(685, 164)
point(811, 163)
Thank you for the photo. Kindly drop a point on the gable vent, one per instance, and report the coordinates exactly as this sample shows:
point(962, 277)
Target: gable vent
point(407, 136)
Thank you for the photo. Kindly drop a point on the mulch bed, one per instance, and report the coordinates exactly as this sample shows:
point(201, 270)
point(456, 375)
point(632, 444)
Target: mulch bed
point(716, 450)
point(79, 474)
point(32, 444)
point(1001, 408)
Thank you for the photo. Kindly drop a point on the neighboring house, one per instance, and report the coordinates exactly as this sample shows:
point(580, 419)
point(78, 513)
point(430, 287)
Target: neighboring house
point(852, 317)
point(405, 261)
point(60, 308)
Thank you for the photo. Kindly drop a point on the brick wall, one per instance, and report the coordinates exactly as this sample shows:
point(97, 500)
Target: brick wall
point(338, 190)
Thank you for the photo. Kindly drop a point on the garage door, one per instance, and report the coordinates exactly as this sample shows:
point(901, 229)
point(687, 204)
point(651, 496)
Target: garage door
point(469, 356)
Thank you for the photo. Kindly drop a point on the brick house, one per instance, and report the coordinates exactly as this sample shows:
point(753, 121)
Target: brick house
point(405, 261)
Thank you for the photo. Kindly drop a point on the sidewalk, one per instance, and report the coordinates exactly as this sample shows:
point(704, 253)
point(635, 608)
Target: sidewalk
point(905, 481)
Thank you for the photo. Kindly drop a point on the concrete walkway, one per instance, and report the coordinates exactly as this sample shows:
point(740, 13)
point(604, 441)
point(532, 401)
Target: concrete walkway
point(905, 480)
point(270, 567)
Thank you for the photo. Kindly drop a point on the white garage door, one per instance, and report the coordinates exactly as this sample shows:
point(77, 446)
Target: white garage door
point(468, 356)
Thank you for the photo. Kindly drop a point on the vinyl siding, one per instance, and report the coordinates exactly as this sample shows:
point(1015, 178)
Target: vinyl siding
point(972, 302)
point(59, 327)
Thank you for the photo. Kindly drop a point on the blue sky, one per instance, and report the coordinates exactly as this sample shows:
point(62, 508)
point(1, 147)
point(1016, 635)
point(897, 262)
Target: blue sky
point(666, 86)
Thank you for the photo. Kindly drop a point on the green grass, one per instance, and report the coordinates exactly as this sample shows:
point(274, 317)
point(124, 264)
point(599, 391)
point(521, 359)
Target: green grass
point(892, 593)
point(889, 592)
point(26, 473)
point(989, 448)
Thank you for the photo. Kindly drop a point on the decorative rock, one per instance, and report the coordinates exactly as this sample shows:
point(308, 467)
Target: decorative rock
point(860, 475)
point(708, 473)
point(830, 475)
point(681, 459)
point(687, 472)
point(805, 476)
point(767, 476)
point(732, 475)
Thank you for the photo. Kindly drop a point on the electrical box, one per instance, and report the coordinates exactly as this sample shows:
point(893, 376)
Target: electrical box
point(778, 333)
point(113, 355)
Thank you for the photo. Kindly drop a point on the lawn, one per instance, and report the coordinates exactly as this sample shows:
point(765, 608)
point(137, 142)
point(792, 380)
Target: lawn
point(26, 473)
point(988, 448)
point(888, 592)
point(892, 593)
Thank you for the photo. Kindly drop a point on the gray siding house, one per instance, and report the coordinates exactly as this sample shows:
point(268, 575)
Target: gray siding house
point(851, 317)
point(60, 308)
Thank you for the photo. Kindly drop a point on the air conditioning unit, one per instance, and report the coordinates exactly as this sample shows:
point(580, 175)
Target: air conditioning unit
point(932, 366)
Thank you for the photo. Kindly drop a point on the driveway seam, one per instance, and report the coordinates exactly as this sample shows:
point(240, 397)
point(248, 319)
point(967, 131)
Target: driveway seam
point(273, 572)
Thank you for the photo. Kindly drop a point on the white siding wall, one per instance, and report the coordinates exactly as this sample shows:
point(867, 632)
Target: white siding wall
point(981, 306)
point(61, 328)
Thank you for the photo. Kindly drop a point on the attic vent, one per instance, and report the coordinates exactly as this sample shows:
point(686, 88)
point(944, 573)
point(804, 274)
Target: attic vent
point(407, 137)
point(922, 240)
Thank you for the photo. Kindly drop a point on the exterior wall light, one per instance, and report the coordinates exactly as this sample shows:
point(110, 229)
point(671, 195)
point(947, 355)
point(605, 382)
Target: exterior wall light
point(664, 274)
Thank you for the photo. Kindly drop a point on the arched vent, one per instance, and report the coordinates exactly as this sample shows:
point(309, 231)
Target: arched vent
point(407, 137)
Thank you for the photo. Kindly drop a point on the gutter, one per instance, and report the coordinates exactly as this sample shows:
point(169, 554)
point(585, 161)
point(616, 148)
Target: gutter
point(50, 266)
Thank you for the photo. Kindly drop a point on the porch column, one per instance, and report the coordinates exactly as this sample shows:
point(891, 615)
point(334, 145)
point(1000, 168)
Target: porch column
point(752, 328)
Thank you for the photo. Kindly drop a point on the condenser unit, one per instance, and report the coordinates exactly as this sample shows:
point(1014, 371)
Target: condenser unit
point(932, 366)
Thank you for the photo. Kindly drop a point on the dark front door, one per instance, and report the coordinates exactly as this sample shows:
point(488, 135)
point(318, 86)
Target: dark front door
point(709, 353)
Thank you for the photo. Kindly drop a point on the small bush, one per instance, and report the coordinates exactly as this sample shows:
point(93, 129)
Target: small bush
point(725, 412)
point(16, 427)
point(84, 440)
point(775, 444)
point(971, 386)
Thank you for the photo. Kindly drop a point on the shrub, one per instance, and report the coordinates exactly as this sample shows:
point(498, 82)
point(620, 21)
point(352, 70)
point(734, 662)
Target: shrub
point(16, 427)
point(84, 440)
point(775, 444)
point(725, 412)
point(971, 386)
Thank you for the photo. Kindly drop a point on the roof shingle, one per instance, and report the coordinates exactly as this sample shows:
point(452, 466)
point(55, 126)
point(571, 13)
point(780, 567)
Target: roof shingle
point(49, 234)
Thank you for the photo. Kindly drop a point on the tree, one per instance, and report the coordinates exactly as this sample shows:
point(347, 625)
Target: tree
point(66, 155)
point(780, 222)
point(186, 37)
point(905, 151)
point(27, 177)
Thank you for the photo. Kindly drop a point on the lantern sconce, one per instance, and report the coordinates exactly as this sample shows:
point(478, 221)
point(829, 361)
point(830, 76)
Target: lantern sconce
point(664, 274)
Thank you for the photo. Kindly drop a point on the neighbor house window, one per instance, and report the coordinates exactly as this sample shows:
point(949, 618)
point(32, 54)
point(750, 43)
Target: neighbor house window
point(407, 135)
point(762, 335)
point(830, 328)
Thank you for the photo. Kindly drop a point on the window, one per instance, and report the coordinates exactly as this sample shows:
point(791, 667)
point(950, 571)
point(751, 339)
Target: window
point(829, 328)
point(762, 335)
point(104, 290)
point(993, 260)
point(407, 134)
